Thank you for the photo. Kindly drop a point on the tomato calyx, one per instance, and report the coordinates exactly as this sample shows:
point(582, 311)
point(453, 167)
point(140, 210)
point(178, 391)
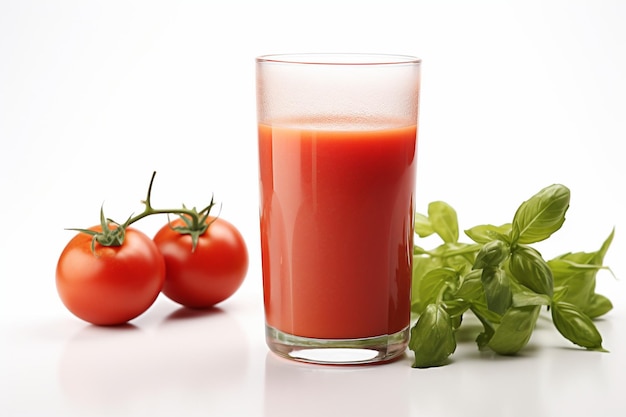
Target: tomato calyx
point(195, 226)
point(113, 233)
point(107, 236)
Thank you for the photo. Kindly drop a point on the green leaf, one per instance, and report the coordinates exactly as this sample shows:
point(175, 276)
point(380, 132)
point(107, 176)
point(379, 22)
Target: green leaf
point(543, 214)
point(418, 250)
point(492, 254)
point(487, 232)
point(488, 319)
point(421, 265)
point(576, 326)
point(497, 289)
point(514, 330)
point(600, 253)
point(577, 280)
point(423, 227)
point(444, 221)
point(433, 282)
point(451, 249)
point(485, 314)
point(455, 308)
point(529, 268)
point(523, 296)
point(575, 273)
point(471, 288)
point(459, 256)
point(598, 306)
point(432, 338)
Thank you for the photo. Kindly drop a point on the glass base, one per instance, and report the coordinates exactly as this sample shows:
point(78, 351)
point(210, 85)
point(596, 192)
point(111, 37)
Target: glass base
point(371, 350)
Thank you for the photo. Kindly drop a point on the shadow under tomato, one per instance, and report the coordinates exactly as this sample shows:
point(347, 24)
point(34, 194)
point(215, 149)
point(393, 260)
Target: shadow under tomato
point(186, 313)
point(93, 332)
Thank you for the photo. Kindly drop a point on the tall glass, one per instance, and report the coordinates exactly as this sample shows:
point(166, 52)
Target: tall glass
point(337, 137)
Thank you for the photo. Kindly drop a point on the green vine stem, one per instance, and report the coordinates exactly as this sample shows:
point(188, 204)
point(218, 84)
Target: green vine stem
point(113, 233)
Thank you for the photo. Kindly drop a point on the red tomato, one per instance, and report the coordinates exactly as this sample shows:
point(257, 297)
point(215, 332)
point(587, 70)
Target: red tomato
point(114, 285)
point(209, 274)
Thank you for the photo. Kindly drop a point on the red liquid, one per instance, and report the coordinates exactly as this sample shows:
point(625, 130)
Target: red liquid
point(337, 229)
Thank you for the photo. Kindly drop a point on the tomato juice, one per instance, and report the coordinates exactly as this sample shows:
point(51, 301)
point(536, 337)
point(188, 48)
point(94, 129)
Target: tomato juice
point(337, 227)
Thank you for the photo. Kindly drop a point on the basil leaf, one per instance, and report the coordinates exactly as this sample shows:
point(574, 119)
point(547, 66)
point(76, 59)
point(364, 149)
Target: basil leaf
point(577, 281)
point(529, 269)
point(423, 227)
point(575, 326)
point(576, 274)
point(487, 232)
point(432, 338)
point(598, 306)
point(497, 289)
point(418, 250)
point(444, 221)
point(452, 249)
point(600, 253)
point(433, 282)
point(471, 287)
point(523, 297)
point(455, 309)
point(514, 330)
point(488, 318)
point(541, 215)
point(492, 254)
point(459, 256)
point(485, 314)
point(421, 266)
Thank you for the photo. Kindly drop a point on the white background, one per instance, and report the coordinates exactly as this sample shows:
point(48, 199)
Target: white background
point(95, 95)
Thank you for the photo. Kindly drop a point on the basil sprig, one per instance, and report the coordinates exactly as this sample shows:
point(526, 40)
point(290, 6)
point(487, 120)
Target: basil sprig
point(503, 281)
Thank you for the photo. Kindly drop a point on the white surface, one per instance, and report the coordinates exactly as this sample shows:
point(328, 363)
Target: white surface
point(94, 96)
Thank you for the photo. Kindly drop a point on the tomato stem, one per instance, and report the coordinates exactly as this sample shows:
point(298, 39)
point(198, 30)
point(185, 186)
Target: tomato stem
point(195, 222)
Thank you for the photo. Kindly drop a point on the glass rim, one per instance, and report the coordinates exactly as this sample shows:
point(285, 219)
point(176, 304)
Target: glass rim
point(338, 58)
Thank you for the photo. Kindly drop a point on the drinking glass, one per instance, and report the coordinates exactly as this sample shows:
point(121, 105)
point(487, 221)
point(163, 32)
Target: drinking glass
point(337, 141)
